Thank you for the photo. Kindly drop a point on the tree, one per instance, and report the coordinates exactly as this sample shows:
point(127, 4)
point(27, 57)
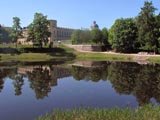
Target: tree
point(38, 31)
point(124, 35)
point(0, 33)
point(158, 29)
point(147, 31)
point(5, 34)
point(75, 37)
point(96, 36)
point(105, 36)
point(81, 36)
point(16, 31)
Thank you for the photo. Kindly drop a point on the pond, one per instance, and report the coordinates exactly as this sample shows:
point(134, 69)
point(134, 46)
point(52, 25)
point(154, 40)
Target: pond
point(29, 90)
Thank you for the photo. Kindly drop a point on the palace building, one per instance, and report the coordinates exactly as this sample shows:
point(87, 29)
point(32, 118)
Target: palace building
point(57, 33)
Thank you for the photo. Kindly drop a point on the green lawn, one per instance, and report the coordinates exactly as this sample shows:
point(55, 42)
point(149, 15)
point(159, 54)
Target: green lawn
point(154, 59)
point(64, 53)
point(26, 57)
point(96, 56)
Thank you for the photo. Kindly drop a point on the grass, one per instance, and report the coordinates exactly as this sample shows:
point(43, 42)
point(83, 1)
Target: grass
point(96, 55)
point(147, 112)
point(68, 53)
point(154, 59)
point(101, 56)
point(27, 57)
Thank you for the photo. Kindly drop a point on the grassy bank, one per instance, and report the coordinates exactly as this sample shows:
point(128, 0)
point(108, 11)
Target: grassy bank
point(28, 53)
point(101, 56)
point(154, 59)
point(147, 112)
point(26, 57)
point(96, 56)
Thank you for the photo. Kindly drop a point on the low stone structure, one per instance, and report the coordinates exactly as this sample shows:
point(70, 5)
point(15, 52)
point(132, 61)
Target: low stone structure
point(86, 47)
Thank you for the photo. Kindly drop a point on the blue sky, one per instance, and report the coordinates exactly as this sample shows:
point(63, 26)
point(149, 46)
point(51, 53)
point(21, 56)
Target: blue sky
point(72, 13)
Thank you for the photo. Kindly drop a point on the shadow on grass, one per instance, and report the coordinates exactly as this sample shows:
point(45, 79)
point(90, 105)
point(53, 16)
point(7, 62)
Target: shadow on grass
point(9, 51)
point(56, 52)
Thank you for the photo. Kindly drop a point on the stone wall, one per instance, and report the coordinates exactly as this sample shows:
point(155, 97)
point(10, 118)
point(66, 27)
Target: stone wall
point(87, 47)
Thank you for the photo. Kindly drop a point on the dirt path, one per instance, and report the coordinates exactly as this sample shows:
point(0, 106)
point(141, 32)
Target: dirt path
point(142, 56)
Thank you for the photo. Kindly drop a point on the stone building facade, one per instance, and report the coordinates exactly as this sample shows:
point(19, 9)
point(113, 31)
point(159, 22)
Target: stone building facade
point(57, 33)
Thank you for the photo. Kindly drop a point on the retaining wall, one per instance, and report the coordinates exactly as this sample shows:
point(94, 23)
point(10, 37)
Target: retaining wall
point(87, 47)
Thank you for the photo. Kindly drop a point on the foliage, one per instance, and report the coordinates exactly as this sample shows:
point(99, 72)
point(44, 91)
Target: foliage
point(158, 26)
point(124, 35)
point(96, 36)
point(16, 31)
point(93, 36)
point(0, 32)
point(81, 37)
point(105, 36)
point(5, 35)
point(38, 31)
point(147, 27)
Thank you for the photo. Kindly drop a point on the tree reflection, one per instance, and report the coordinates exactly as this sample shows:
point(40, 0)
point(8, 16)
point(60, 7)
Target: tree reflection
point(94, 74)
point(40, 81)
point(1, 79)
point(79, 73)
point(122, 76)
point(18, 83)
point(5, 72)
point(147, 84)
point(1, 84)
point(140, 80)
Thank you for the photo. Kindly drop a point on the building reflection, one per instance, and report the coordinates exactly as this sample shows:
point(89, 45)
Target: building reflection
point(127, 78)
point(42, 78)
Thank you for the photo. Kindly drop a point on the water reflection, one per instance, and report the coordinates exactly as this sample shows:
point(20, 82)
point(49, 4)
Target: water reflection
point(43, 78)
point(5, 72)
point(94, 71)
point(141, 81)
point(40, 87)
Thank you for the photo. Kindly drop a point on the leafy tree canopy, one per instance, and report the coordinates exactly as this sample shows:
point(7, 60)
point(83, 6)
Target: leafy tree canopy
point(16, 31)
point(147, 27)
point(38, 30)
point(96, 36)
point(124, 35)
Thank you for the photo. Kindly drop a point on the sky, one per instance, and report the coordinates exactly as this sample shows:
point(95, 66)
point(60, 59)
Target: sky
point(75, 14)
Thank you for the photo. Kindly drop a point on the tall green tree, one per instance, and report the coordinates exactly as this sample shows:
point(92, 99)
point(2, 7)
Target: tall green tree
point(124, 35)
point(0, 33)
point(96, 36)
point(75, 37)
point(158, 29)
point(105, 36)
point(16, 31)
point(147, 27)
point(81, 36)
point(38, 31)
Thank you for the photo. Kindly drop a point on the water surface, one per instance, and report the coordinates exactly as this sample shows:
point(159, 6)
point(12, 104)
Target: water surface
point(30, 90)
